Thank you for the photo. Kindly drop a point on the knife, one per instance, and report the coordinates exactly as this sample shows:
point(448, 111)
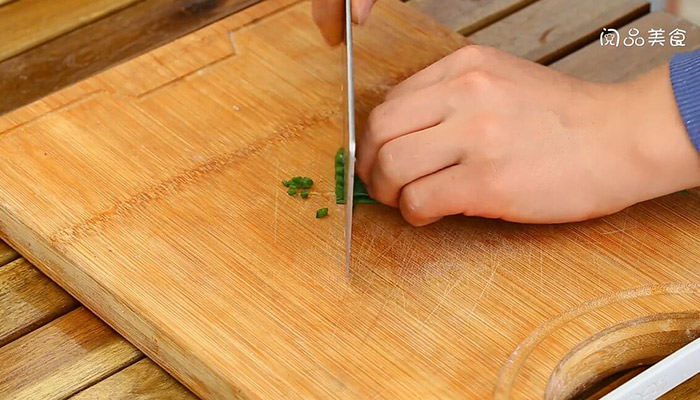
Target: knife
point(349, 135)
point(660, 378)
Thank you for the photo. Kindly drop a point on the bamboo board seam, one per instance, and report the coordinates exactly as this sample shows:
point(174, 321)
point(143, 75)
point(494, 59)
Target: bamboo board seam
point(67, 106)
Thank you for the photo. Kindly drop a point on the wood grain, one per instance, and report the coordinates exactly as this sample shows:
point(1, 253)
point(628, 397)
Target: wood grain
point(96, 46)
point(63, 357)
point(29, 300)
point(468, 16)
point(173, 226)
point(621, 63)
point(28, 23)
point(7, 253)
point(549, 29)
point(257, 56)
point(142, 380)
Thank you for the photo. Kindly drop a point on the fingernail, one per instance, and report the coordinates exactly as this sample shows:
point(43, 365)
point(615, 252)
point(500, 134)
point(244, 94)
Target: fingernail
point(364, 11)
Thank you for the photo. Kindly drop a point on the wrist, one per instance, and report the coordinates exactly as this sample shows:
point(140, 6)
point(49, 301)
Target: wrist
point(667, 159)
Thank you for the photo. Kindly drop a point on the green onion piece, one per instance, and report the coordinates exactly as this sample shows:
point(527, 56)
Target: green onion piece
point(360, 189)
point(286, 183)
point(304, 194)
point(360, 195)
point(321, 212)
point(302, 182)
point(340, 157)
point(292, 191)
point(364, 200)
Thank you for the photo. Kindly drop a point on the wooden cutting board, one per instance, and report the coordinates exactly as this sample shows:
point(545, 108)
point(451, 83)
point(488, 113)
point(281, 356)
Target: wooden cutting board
point(152, 193)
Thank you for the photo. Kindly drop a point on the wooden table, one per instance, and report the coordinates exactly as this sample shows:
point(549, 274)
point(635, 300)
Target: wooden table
point(64, 349)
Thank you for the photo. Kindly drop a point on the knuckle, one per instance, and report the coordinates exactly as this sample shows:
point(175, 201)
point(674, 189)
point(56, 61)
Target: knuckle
point(478, 81)
point(474, 54)
point(374, 118)
point(377, 121)
point(386, 165)
point(464, 89)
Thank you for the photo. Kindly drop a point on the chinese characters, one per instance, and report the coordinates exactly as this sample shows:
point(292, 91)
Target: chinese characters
point(634, 38)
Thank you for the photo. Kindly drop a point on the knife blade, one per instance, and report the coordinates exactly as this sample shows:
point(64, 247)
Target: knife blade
point(349, 134)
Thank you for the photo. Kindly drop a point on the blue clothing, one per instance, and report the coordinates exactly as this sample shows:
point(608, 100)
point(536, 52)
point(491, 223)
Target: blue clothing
point(685, 78)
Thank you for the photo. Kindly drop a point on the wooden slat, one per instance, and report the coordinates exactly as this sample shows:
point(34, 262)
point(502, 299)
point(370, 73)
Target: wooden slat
point(28, 300)
point(7, 253)
point(28, 23)
point(595, 62)
point(550, 29)
point(63, 357)
point(91, 48)
point(468, 16)
point(4, 2)
point(142, 380)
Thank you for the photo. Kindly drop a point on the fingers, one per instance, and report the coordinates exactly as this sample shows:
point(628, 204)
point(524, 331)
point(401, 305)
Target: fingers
point(395, 118)
point(410, 157)
point(466, 59)
point(446, 192)
point(361, 10)
point(329, 15)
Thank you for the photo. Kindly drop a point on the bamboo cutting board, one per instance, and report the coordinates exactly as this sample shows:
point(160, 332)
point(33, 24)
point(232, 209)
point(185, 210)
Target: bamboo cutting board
point(152, 193)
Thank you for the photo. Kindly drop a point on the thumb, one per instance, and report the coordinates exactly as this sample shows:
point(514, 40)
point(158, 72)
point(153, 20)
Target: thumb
point(328, 15)
point(361, 10)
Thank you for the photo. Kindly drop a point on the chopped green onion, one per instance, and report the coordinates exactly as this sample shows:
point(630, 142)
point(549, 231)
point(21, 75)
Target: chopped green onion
point(302, 182)
point(292, 191)
point(321, 212)
point(360, 194)
point(304, 194)
point(286, 183)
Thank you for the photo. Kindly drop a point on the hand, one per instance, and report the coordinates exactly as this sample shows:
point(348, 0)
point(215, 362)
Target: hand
point(484, 133)
point(329, 15)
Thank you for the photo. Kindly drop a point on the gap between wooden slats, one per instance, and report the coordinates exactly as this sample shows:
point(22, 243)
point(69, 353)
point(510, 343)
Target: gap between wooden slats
point(542, 31)
point(63, 357)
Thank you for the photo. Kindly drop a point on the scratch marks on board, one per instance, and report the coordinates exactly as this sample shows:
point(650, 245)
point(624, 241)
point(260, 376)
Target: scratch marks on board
point(624, 229)
point(444, 297)
point(484, 290)
point(375, 319)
